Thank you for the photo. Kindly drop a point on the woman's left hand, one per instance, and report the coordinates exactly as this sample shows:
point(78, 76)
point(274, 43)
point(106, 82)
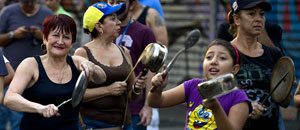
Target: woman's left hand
point(140, 81)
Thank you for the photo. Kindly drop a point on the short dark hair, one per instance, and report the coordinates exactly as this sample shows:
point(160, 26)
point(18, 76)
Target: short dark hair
point(234, 53)
point(62, 22)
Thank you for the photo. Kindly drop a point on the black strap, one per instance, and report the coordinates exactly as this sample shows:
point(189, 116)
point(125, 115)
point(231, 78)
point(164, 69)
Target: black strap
point(142, 18)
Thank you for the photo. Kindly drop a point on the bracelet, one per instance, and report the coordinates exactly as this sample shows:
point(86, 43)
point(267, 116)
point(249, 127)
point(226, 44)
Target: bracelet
point(135, 91)
point(11, 35)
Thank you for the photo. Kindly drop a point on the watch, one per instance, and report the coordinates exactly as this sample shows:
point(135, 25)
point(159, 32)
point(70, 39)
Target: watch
point(11, 35)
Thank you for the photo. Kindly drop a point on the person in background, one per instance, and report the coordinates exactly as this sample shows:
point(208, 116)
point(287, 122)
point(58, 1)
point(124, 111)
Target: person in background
point(43, 82)
point(156, 4)
point(55, 6)
point(258, 62)
point(150, 17)
point(136, 36)
point(227, 112)
point(106, 105)
point(21, 37)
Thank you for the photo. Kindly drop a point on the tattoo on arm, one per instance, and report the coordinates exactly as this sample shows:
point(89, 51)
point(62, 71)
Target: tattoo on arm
point(158, 21)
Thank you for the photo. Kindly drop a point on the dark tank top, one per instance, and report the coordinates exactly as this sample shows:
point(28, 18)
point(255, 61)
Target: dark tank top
point(45, 92)
point(142, 18)
point(108, 109)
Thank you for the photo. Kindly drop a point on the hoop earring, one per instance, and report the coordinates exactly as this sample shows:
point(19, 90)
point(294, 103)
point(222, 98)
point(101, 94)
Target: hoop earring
point(44, 48)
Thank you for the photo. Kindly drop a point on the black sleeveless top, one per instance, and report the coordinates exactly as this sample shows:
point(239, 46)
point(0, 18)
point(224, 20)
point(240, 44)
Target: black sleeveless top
point(45, 92)
point(142, 18)
point(108, 109)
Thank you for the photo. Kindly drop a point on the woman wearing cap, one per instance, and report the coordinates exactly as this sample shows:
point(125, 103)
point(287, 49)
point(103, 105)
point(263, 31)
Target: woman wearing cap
point(43, 82)
point(106, 105)
point(258, 61)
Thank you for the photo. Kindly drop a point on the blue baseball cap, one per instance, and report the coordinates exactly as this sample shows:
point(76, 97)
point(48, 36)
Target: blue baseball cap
point(96, 11)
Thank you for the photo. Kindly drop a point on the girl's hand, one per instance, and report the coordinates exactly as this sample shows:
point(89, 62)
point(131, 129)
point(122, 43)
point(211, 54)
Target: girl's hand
point(257, 111)
point(210, 103)
point(159, 81)
point(49, 111)
point(117, 88)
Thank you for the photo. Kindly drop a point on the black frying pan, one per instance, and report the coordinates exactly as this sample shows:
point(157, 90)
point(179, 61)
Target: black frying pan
point(78, 91)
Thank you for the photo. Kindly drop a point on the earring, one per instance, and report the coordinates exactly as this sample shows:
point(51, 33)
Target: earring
point(43, 47)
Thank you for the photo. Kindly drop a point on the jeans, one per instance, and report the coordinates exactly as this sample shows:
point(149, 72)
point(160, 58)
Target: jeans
point(7, 115)
point(98, 125)
point(136, 119)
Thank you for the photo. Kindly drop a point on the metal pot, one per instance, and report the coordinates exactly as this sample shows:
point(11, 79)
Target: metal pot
point(154, 56)
point(217, 87)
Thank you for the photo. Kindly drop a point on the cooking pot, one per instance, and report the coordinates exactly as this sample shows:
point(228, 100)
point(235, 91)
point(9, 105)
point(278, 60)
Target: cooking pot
point(217, 87)
point(154, 56)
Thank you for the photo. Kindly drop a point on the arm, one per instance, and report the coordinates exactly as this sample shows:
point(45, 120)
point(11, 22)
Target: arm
point(236, 118)
point(146, 112)
point(9, 77)
point(19, 33)
point(167, 98)
point(158, 26)
point(297, 97)
point(1, 89)
point(26, 75)
point(94, 72)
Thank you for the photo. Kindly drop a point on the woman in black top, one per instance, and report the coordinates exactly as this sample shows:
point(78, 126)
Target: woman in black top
point(258, 62)
point(43, 82)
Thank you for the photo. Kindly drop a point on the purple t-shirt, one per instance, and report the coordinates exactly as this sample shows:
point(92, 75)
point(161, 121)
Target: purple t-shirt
point(137, 37)
point(199, 117)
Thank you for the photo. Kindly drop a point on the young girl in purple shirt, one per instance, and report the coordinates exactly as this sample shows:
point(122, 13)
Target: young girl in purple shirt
point(227, 112)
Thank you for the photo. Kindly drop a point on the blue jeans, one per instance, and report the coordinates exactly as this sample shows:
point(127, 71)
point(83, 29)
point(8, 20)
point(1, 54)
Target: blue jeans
point(98, 125)
point(136, 119)
point(7, 115)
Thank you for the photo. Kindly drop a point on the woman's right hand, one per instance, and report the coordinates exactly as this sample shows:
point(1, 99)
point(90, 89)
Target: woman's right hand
point(117, 88)
point(257, 111)
point(49, 111)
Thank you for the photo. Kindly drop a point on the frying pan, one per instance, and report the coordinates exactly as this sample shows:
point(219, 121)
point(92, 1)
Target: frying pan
point(282, 94)
point(79, 90)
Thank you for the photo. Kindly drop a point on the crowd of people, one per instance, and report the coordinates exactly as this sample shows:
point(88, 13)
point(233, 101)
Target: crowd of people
point(38, 71)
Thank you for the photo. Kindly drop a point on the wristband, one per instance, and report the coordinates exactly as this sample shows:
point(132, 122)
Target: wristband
point(11, 35)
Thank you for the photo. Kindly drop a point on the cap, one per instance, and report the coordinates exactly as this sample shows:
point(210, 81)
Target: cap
point(96, 11)
point(248, 4)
